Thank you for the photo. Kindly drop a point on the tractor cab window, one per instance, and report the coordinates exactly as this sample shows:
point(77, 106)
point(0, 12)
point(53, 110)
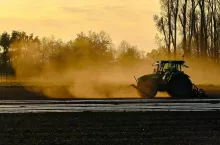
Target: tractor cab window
point(170, 66)
point(166, 66)
point(160, 68)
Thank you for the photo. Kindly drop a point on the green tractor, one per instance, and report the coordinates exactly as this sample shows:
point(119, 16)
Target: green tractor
point(168, 77)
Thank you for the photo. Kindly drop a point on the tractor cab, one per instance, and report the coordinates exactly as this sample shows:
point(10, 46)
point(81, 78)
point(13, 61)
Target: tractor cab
point(165, 65)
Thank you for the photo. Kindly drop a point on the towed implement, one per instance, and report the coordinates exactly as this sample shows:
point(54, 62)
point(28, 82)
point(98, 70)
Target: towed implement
point(168, 77)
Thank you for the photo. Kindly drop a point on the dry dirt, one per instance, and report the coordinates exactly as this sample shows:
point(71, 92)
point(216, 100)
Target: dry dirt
point(61, 92)
point(182, 128)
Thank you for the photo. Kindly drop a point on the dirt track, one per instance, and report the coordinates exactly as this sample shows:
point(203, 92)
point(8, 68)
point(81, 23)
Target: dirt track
point(111, 128)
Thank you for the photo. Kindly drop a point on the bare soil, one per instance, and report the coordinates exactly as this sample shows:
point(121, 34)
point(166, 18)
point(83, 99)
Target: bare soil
point(182, 128)
point(28, 93)
point(19, 94)
point(211, 90)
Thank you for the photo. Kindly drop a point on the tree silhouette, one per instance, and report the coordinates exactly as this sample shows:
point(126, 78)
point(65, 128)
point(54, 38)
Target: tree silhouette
point(29, 55)
point(5, 43)
point(199, 27)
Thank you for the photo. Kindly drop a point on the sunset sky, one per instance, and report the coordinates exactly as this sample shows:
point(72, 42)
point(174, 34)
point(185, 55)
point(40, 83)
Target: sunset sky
point(122, 19)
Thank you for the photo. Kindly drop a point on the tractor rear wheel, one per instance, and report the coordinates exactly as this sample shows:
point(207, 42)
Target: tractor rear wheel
point(147, 89)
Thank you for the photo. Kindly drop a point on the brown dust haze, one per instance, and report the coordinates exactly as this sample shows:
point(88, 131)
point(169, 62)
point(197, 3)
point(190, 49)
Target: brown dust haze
point(98, 80)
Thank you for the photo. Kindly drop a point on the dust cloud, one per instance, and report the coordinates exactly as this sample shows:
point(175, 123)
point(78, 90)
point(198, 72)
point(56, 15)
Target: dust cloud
point(86, 83)
point(68, 78)
point(202, 72)
point(64, 80)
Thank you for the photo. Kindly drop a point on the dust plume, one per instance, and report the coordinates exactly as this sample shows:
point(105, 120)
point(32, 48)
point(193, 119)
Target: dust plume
point(90, 67)
point(57, 74)
point(86, 83)
point(203, 72)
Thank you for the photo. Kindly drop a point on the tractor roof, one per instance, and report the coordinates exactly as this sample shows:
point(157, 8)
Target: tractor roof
point(172, 61)
point(180, 62)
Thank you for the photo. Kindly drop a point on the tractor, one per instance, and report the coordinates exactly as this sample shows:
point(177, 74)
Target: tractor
point(168, 77)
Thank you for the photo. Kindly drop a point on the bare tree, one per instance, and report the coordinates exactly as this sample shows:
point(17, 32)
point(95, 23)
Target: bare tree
point(175, 10)
point(183, 21)
point(164, 23)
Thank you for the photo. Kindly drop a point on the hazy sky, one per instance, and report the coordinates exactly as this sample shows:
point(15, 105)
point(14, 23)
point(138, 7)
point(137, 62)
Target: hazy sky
point(130, 20)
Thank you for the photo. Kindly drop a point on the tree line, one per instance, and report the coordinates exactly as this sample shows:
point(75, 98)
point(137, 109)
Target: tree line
point(189, 27)
point(19, 49)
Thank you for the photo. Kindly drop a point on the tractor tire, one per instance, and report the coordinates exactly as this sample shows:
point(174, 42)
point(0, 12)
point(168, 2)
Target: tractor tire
point(180, 86)
point(147, 89)
point(148, 95)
